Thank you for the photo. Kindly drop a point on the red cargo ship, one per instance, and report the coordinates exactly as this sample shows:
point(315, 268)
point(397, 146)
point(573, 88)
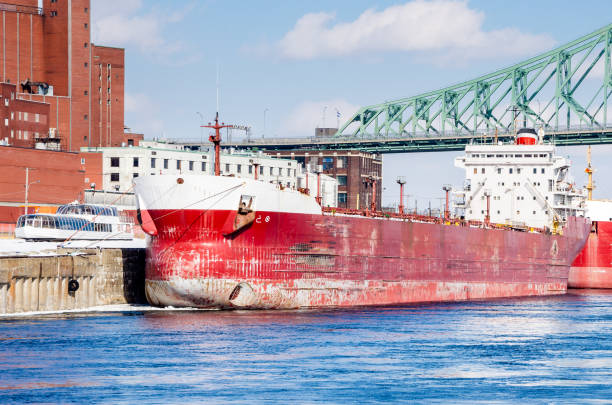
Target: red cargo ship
point(593, 265)
point(226, 242)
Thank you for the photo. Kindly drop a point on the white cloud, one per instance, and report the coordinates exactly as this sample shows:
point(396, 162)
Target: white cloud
point(308, 115)
point(126, 23)
point(446, 28)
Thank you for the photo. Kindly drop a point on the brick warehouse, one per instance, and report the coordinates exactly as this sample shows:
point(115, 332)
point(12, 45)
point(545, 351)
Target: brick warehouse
point(59, 92)
point(48, 57)
point(355, 171)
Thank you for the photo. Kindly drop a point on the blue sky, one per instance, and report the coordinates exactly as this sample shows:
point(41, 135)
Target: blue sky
point(294, 57)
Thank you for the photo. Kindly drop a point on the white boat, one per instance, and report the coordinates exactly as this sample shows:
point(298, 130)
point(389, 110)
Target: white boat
point(76, 222)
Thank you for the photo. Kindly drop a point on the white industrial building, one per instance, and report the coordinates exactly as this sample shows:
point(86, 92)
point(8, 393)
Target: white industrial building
point(120, 165)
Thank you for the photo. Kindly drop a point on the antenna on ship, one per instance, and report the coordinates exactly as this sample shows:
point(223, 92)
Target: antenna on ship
point(589, 172)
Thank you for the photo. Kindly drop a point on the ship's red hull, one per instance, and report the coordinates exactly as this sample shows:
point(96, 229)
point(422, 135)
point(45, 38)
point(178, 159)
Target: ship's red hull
point(290, 260)
point(592, 268)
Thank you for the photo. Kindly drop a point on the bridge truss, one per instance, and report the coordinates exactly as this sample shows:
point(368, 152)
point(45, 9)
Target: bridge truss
point(568, 87)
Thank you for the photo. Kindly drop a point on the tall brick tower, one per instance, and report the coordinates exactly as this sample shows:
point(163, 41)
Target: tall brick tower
point(47, 56)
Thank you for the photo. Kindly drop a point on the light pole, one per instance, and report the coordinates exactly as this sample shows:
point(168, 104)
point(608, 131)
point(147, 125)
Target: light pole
point(27, 188)
point(201, 128)
point(264, 128)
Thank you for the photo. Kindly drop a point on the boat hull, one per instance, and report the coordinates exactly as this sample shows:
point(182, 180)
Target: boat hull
point(310, 261)
point(592, 268)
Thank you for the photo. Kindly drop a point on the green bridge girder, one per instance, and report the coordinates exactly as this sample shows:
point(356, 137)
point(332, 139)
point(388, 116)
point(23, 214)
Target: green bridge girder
point(572, 137)
point(558, 90)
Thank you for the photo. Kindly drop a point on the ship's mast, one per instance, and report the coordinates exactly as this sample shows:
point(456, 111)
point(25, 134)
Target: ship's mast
point(216, 140)
point(589, 171)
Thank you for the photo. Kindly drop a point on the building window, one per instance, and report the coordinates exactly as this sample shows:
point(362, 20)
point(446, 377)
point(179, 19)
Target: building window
point(86, 9)
point(271, 171)
point(482, 170)
point(153, 163)
point(85, 117)
point(203, 166)
point(341, 180)
point(25, 116)
point(328, 163)
point(280, 171)
point(6, 102)
point(510, 170)
point(114, 176)
point(250, 169)
point(135, 162)
point(227, 169)
point(130, 142)
point(499, 170)
point(261, 169)
point(543, 171)
point(86, 65)
point(475, 170)
point(86, 25)
point(6, 122)
point(341, 198)
point(341, 162)
point(114, 162)
point(191, 165)
point(82, 161)
point(165, 163)
point(178, 165)
point(53, 13)
point(135, 175)
point(238, 168)
point(518, 171)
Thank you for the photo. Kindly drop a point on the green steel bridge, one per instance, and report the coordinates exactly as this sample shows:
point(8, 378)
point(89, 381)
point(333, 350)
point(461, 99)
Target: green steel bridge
point(566, 92)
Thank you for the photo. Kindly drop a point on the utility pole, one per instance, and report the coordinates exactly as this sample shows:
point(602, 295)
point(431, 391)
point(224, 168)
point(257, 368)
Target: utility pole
point(27, 188)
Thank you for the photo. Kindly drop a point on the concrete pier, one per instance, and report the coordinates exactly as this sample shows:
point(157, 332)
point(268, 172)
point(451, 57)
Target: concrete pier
point(106, 276)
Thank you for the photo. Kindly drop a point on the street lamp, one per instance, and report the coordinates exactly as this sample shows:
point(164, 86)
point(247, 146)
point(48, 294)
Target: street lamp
point(264, 128)
point(201, 128)
point(27, 189)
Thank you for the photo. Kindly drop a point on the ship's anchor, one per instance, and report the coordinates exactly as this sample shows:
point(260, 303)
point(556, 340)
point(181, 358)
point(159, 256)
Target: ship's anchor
point(243, 218)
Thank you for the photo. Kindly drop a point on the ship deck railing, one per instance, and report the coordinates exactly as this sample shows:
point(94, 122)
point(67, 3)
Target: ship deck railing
point(430, 219)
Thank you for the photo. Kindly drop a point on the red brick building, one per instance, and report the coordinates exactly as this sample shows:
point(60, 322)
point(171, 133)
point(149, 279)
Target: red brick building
point(47, 54)
point(356, 172)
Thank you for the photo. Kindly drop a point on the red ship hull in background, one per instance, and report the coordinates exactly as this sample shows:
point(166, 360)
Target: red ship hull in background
point(592, 268)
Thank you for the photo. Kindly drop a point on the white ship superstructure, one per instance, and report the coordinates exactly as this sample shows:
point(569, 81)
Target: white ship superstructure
point(519, 184)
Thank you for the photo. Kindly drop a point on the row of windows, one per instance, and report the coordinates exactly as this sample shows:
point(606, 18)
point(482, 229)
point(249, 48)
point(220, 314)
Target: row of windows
point(510, 155)
point(510, 170)
point(22, 116)
point(65, 223)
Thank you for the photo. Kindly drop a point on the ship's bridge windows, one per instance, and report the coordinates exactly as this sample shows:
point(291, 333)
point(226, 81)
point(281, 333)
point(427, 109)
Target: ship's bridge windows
point(518, 155)
point(490, 156)
point(499, 156)
point(528, 155)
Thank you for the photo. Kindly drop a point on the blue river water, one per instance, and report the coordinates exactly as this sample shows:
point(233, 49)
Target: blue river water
point(534, 350)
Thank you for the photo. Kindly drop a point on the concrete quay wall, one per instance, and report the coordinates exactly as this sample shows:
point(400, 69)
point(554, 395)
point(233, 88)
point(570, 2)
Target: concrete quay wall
point(106, 276)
